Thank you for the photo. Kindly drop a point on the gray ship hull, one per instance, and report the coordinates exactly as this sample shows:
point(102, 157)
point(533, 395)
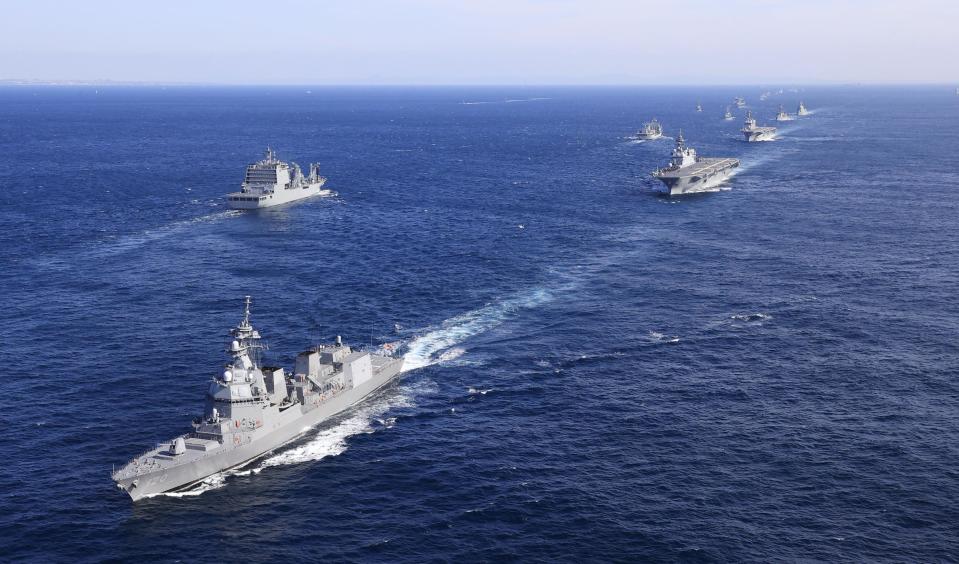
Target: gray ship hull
point(246, 447)
point(244, 201)
point(707, 175)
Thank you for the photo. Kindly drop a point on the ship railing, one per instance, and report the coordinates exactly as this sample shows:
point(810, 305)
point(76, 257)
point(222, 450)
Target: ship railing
point(156, 447)
point(159, 446)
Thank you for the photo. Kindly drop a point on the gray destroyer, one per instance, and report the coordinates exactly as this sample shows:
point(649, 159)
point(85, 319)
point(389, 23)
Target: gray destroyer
point(251, 410)
point(689, 173)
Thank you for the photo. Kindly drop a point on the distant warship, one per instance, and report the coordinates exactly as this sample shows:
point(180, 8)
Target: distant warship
point(782, 115)
point(802, 111)
point(729, 114)
point(739, 102)
point(271, 182)
point(688, 173)
point(253, 409)
point(699, 107)
point(651, 130)
point(752, 132)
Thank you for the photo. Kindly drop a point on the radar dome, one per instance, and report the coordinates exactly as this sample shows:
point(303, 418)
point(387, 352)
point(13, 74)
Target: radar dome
point(227, 375)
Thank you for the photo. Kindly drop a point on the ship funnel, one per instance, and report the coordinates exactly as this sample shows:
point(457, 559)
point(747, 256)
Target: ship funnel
point(339, 341)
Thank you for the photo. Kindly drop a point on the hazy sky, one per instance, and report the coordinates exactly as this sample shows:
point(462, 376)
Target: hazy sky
point(482, 42)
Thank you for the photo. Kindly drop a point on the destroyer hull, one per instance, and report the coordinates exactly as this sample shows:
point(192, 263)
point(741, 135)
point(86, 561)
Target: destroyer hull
point(709, 177)
point(247, 201)
point(286, 426)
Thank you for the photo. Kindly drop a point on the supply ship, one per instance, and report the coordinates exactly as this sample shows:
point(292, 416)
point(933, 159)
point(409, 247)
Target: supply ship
point(651, 130)
point(272, 182)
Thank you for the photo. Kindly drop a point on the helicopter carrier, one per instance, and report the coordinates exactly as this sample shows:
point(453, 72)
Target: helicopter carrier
point(253, 409)
point(689, 173)
point(272, 182)
point(753, 132)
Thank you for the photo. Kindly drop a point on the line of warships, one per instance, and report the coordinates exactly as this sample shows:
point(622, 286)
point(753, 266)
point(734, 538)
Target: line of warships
point(689, 173)
point(252, 409)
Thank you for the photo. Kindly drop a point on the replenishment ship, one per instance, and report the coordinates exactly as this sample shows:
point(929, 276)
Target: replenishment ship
point(754, 132)
point(689, 173)
point(253, 409)
point(651, 130)
point(272, 182)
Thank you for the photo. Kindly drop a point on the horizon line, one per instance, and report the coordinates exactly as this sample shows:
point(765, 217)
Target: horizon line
point(112, 82)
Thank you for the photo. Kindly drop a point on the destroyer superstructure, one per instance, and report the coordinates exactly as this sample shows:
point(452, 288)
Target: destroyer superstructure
point(651, 130)
point(689, 173)
point(753, 132)
point(253, 409)
point(272, 182)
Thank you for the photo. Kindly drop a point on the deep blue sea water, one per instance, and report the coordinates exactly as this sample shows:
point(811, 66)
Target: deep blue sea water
point(766, 373)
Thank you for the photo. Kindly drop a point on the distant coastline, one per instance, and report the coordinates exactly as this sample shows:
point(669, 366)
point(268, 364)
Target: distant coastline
point(96, 82)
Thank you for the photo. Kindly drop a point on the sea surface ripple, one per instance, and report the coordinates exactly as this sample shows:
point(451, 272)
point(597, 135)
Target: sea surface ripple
point(593, 373)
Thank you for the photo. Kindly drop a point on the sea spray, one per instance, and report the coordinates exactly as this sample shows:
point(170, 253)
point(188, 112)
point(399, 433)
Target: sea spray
point(422, 350)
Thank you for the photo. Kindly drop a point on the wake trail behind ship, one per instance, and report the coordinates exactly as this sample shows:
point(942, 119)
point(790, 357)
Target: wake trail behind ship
point(435, 346)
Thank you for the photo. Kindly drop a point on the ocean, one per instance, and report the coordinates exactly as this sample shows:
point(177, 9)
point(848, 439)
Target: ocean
point(594, 372)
